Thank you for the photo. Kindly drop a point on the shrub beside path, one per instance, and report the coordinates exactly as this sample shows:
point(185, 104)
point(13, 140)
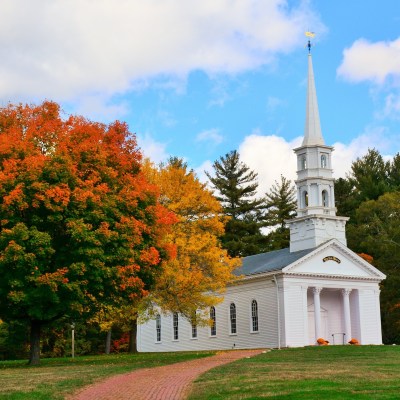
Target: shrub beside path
point(169, 382)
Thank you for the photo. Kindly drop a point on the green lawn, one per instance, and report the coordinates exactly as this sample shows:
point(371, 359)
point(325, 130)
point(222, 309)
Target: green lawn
point(58, 377)
point(325, 372)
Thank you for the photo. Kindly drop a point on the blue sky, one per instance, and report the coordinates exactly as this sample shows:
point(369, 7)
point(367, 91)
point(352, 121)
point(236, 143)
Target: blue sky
point(196, 79)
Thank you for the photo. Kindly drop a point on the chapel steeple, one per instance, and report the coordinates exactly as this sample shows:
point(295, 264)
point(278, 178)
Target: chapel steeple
point(316, 220)
point(312, 131)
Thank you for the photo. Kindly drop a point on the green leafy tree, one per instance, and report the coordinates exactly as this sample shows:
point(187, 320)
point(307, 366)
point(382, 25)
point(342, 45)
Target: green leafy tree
point(376, 231)
point(280, 206)
point(345, 198)
point(369, 176)
point(80, 225)
point(394, 173)
point(236, 188)
point(370, 197)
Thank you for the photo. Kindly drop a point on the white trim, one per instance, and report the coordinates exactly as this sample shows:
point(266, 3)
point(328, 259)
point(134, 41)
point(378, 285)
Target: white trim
point(251, 316)
point(215, 323)
point(347, 252)
point(230, 320)
point(191, 327)
point(158, 341)
point(191, 332)
point(173, 327)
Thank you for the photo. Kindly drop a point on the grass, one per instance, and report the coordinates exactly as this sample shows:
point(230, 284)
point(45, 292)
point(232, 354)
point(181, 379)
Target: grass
point(325, 372)
point(56, 378)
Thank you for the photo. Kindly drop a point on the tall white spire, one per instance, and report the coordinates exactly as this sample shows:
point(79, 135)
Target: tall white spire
point(312, 131)
point(316, 221)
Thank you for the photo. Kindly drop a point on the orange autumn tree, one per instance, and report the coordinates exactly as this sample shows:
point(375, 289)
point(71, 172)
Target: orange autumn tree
point(196, 277)
point(80, 224)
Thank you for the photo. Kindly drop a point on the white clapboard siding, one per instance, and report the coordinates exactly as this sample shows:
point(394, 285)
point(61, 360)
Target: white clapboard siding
point(355, 315)
point(295, 306)
point(370, 317)
point(242, 295)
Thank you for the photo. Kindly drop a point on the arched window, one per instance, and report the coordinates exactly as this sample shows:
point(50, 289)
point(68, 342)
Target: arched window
point(158, 328)
point(232, 317)
point(303, 162)
point(254, 316)
point(323, 161)
point(325, 198)
point(213, 319)
point(176, 326)
point(305, 198)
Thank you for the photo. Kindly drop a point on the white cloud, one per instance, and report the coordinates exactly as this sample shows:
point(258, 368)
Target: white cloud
point(392, 106)
point(345, 154)
point(374, 62)
point(212, 136)
point(206, 166)
point(152, 149)
point(220, 93)
point(270, 156)
point(65, 49)
point(99, 108)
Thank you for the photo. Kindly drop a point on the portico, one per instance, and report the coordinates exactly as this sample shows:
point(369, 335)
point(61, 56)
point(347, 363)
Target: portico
point(326, 319)
point(333, 294)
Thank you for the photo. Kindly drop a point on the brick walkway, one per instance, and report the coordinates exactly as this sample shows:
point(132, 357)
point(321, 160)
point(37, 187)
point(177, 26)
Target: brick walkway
point(170, 382)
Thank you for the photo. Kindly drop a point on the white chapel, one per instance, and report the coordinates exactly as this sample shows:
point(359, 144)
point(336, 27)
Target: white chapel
point(316, 288)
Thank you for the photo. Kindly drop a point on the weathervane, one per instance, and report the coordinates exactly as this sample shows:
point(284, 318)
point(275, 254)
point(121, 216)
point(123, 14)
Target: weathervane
point(309, 35)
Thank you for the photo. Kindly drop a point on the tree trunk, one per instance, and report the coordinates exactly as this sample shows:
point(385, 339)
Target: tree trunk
point(108, 342)
point(34, 356)
point(132, 338)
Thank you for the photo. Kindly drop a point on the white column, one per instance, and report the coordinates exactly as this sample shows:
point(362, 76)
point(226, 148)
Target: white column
point(299, 199)
point(317, 312)
point(378, 317)
point(346, 314)
point(331, 197)
point(305, 314)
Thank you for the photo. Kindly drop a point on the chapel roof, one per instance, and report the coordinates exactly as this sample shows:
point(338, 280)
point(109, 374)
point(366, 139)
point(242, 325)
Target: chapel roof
point(268, 262)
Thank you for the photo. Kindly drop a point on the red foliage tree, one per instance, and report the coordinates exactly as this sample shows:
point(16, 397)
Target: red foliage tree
point(80, 225)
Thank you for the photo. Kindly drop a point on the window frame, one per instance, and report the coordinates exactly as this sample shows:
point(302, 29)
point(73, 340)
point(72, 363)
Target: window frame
point(175, 326)
point(254, 317)
point(158, 328)
point(324, 161)
point(305, 199)
point(193, 327)
point(232, 319)
point(303, 162)
point(213, 318)
point(325, 198)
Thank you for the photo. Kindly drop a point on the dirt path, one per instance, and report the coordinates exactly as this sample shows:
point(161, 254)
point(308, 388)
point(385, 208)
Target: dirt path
point(170, 382)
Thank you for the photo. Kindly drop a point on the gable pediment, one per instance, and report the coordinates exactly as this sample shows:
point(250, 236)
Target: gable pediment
point(335, 260)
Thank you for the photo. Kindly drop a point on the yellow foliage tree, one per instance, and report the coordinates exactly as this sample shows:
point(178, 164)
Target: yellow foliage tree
point(196, 277)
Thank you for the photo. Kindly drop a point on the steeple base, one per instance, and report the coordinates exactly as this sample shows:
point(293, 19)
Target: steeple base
point(310, 231)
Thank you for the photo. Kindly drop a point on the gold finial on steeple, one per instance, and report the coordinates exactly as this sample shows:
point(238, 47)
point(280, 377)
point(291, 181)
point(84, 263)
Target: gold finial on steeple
point(309, 44)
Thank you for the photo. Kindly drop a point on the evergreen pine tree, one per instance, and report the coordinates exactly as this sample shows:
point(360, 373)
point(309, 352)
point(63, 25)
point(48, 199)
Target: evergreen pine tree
point(236, 187)
point(281, 206)
point(369, 175)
